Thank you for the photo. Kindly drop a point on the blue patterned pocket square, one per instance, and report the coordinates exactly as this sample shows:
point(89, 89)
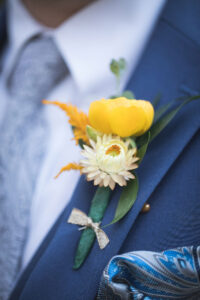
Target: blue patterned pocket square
point(171, 274)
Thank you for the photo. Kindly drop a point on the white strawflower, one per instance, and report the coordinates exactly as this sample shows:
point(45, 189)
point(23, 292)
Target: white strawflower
point(109, 161)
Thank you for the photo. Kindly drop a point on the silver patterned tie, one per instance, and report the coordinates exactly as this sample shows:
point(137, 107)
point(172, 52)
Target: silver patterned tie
point(38, 69)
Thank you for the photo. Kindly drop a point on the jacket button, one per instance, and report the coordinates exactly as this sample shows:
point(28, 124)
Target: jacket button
point(146, 208)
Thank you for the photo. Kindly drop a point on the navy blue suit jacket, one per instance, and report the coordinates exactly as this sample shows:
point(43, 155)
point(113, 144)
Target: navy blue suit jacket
point(169, 175)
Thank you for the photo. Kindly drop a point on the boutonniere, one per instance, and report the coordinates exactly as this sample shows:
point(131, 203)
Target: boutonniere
point(113, 137)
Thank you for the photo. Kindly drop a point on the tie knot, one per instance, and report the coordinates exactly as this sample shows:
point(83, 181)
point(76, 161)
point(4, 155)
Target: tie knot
point(38, 68)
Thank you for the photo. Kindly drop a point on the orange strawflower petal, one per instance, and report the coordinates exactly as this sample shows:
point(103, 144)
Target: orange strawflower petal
point(77, 119)
point(70, 166)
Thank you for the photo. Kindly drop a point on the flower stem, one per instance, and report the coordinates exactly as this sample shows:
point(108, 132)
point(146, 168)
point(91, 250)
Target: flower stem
point(97, 209)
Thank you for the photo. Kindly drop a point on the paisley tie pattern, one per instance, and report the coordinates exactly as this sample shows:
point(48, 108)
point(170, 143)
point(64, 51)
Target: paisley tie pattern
point(171, 274)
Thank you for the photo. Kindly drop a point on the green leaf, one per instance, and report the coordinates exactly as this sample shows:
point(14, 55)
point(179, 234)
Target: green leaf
point(81, 143)
point(117, 66)
point(92, 133)
point(115, 96)
point(87, 239)
point(156, 101)
point(122, 64)
point(127, 199)
point(142, 150)
point(163, 122)
point(114, 67)
point(132, 142)
point(128, 95)
point(162, 110)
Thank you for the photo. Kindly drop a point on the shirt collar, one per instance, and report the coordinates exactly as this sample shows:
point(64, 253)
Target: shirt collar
point(91, 38)
point(88, 41)
point(104, 30)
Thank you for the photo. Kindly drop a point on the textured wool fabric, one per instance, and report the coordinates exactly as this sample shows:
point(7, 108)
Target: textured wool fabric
point(22, 140)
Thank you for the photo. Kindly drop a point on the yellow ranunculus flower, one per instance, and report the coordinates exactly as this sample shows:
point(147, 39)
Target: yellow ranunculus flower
point(121, 116)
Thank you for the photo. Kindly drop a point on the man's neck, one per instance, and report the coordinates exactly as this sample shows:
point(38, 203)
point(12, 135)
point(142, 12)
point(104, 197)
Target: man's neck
point(52, 13)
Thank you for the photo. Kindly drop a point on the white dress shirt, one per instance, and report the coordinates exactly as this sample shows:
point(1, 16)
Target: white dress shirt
point(87, 41)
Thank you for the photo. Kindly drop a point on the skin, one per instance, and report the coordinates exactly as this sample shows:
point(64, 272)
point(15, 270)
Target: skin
point(52, 13)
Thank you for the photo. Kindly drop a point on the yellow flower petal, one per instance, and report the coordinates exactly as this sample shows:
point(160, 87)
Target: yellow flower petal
point(149, 111)
point(70, 166)
point(126, 117)
point(98, 116)
point(121, 116)
point(77, 118)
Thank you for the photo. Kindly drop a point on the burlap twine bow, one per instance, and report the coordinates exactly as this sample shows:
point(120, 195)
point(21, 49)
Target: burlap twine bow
point(78, 217)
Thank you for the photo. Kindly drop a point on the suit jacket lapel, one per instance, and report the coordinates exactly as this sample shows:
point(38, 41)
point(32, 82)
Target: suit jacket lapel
point(173, 71)
point(158, 71)
point(170, 70)
point(62, 237)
